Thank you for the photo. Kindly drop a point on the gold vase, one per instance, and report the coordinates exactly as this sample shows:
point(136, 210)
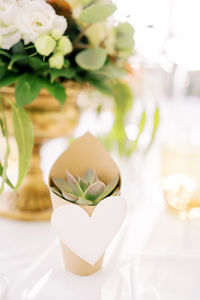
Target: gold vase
point(32, 200)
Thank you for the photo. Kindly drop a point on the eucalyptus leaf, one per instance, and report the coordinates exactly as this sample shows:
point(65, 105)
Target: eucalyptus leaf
point(7, 152)
point(91, 59)
point(124, 36)
point(141, 128)
point(97, 12)
point(2, 127)
point(23, 131)
point(111, 71)
point(156, 118)
point(123, 96)
point(27, 89)
point(100, 82)
point(7, 180)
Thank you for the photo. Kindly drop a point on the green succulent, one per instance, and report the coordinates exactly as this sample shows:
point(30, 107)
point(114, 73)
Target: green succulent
point(86, 190)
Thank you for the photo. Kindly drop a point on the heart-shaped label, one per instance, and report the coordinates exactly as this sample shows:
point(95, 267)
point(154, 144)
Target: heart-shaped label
point(88, 236)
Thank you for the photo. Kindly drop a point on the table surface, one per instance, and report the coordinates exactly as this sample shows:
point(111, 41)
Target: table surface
point(155, 255)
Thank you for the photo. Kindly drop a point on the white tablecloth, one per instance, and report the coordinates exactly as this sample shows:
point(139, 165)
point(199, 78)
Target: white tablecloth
point(154, 256)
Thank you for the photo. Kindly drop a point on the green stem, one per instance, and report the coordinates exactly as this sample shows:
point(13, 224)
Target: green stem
point(35, 53)
point(29, 47)
point(81, 34)
point(2, 52)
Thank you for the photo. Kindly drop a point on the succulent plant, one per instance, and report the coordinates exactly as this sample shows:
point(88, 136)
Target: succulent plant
point(86, 190)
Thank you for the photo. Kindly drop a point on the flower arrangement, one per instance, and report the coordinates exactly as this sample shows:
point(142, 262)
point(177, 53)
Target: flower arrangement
point(44, 43)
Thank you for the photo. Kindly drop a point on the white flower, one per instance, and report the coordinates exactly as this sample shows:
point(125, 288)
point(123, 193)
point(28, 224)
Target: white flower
point(56, 60)
point(8, 30)
point(1, 41)
point(64, 45)
point(56, 34)
point(7, 11)
point(36, 18)
point(45, 45)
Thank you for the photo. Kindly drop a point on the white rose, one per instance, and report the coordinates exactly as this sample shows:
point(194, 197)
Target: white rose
point(7, 11)
point(36, 18)
point(8, 30)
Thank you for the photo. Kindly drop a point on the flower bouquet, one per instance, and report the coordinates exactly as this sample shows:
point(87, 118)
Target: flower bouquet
point(43, 45)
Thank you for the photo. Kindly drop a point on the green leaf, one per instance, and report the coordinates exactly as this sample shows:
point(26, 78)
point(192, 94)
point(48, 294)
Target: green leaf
point(2, 127)
point(23, 131)
point(15, 58)
point(111, 71)
point(123, 96)
point(124, 36)
point(56, 191)
point(141, 128)
point(5, 132)
point(56, 90)
point(62, 184)
point(66, 73)
point(7, 180)
point(36, 63)
point(69, 196)
point(74, 184)
point(27, 89)
point(97, 12)
point(94, 190)
point(3, 68)
point(91, 59)
point(108, 188)
point(100, 83)
point(8, 79)
point(5, 53)
point(18, 48)
point(89, 176)
point(155, 126)
point(83, 184)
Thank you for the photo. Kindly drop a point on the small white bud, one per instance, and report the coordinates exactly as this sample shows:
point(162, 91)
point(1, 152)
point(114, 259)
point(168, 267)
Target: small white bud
point(45, 45)
point(64, 45)
point(56, 60)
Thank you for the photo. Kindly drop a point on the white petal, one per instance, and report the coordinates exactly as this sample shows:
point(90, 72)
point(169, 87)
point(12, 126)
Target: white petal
point(61, 23)
point(10, 40)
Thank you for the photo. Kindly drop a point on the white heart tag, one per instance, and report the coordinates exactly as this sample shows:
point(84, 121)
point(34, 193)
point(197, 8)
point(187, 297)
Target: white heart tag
point(88, 236)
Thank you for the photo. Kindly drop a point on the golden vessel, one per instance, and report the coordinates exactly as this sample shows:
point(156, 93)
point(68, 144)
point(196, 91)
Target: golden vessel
point(32, 200)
